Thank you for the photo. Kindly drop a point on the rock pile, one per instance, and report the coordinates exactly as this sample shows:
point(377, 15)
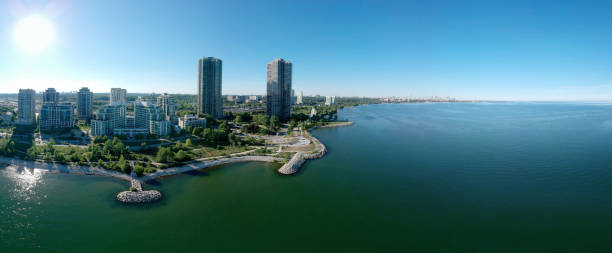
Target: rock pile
point(293, 165)
point(139, 196)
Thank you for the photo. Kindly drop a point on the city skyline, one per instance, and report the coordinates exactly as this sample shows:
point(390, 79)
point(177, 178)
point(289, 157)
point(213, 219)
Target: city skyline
point(490, 51)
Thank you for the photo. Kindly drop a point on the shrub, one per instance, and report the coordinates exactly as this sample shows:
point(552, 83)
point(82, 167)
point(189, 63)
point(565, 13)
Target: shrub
point(139, 170)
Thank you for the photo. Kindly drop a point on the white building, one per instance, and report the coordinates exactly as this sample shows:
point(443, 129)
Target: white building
point(191, 121)
point(168, 106)
point(330, 100)
point(150, 117)
point(108, 118)
point(26, 107)
point(299, 98)
point(118, 96)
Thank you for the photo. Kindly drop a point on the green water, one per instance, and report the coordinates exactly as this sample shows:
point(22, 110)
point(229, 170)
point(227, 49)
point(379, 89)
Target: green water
point(504, 177)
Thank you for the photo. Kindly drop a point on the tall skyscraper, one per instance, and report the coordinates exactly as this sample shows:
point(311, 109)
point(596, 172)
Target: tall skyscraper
point(84, 104)
point(166, 102)
point(209, 87)
point(118, 96)
point(300, 98)
point(50, 96)
point(26, 105)
point(279, 89)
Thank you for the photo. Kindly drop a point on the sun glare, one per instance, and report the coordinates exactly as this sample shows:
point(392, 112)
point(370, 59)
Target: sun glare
point(34, 33)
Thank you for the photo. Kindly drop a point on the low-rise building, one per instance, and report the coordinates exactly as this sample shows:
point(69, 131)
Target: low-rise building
point(130, 132)
point(236, 99)
point(159, 127)
point(191, 121)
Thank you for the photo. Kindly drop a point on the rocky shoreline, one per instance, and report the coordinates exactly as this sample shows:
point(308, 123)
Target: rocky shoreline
point(296, 162)
point(137, 195)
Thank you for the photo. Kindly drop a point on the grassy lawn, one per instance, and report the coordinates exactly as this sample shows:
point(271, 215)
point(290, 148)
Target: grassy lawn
point(210, 152)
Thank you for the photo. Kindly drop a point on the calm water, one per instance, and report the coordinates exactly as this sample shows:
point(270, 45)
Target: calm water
point(500, 177)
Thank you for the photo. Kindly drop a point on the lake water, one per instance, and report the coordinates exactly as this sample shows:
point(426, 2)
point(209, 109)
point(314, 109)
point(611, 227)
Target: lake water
point(485, 177)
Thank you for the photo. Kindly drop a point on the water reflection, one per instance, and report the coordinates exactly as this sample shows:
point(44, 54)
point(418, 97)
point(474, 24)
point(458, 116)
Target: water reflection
point(23, 181)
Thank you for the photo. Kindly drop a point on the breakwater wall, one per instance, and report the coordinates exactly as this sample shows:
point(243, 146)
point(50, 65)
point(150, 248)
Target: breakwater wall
point(137, 195)
point(293, 165)
point(340, 124)
point(296, 162)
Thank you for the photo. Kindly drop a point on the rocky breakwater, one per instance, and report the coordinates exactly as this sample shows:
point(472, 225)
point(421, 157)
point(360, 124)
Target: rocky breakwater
point(293, 165)
point(137, 195)
point(296, 162)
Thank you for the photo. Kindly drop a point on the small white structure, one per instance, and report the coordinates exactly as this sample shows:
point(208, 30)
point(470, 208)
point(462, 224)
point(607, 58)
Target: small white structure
point(313, 113)
point(191, 121)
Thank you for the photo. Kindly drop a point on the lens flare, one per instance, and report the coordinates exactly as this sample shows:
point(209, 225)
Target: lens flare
point(34, 34)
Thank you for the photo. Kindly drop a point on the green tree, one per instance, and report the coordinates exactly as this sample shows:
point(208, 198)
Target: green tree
point(123, 165)
point(292, 125)
point(164, 155)
point(139, 170)
point(181, 156)
point(273, 124)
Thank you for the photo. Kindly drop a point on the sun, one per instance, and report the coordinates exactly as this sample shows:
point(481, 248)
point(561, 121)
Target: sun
point(34, 33)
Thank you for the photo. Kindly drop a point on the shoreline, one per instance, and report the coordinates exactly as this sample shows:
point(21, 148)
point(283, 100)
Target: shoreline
point(138, 195)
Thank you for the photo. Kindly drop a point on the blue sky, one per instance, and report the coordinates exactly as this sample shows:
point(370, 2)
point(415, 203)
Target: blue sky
point(519, 50)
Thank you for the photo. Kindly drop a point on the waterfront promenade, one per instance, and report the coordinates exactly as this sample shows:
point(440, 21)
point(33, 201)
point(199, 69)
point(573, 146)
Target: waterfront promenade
point(312, 149)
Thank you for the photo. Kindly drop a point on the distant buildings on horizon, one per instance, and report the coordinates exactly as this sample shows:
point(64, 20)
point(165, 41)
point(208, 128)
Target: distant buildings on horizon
point(159, 118)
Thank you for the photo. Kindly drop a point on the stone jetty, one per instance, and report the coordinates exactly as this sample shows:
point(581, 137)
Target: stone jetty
point(296, 162)
point(137, 195)
point(293, 165)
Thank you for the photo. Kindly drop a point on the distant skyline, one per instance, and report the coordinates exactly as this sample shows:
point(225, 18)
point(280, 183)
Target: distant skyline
point(490, 50)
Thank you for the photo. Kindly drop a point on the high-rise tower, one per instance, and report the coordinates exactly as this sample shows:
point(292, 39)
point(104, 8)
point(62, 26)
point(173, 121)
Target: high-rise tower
point(209, 87)
point(279, 89)
point(26, 104)
point(84, 104)
point(50, 96)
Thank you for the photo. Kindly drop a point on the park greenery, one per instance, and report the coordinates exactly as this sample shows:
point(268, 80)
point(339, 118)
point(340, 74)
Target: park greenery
point(236, 133)
point(7, 147)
